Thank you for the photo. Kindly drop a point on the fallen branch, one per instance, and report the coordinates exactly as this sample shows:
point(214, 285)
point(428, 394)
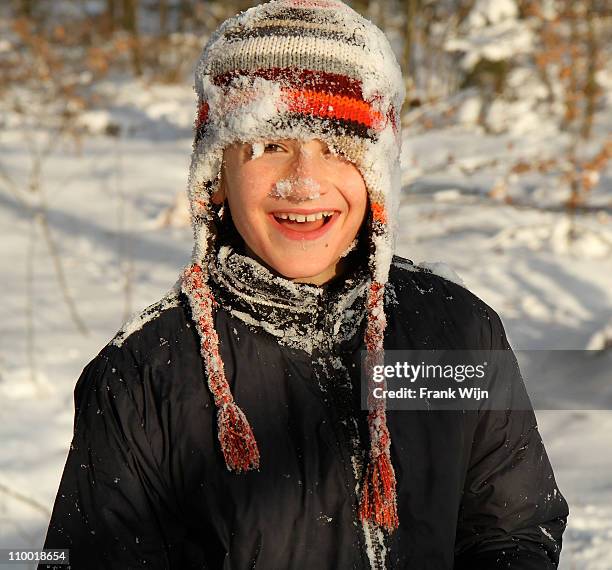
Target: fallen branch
point(25, 500)
point(59, 271)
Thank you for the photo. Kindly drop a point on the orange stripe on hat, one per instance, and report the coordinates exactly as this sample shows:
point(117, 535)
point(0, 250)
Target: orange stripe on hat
point(327, 105)
point(379, 212)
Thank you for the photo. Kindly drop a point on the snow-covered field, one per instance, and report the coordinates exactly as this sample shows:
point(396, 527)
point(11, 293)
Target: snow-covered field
point(106, 202)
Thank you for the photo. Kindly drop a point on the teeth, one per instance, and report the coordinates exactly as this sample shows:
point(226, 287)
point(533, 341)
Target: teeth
point(303, 218)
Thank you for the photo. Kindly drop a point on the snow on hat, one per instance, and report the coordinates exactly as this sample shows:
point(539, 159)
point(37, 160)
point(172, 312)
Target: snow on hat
point(299, 69)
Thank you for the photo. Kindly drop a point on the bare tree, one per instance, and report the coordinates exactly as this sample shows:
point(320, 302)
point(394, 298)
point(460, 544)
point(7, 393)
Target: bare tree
point(410, 11)
point(185, 11)
point(362, 6)
point(111, 16)
point(26, 8)
point(163, 18)
point(591, 88)
point(130, 24)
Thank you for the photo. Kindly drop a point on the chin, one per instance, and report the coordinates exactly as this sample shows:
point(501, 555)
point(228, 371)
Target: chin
point(294, 269)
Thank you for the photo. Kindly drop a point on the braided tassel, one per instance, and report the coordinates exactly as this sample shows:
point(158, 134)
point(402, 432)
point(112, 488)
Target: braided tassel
point(378, 501)
point(378, 494)
point(236, 437)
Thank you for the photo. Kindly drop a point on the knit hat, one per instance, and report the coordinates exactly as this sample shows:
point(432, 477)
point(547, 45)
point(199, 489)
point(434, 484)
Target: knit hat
point(299, 69)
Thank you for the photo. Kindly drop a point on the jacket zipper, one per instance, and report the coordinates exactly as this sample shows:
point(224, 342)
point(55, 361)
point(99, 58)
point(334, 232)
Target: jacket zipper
point(354, 442)
point(378, 563)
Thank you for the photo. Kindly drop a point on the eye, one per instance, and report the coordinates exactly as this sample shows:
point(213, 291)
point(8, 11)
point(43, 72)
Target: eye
point(273, 147)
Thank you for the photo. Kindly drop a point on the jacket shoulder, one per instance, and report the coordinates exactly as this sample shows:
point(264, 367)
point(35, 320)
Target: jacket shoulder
point(433, 295)
point(146, 341)
point(157, 316)
point(427, 278)
point(148, 335)
point(402, 268)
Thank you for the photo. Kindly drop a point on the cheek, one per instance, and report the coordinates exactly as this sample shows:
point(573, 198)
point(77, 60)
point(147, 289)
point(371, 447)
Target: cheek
point(246, 197)
point(356, 193)
point(361, 203)
point(357, 198)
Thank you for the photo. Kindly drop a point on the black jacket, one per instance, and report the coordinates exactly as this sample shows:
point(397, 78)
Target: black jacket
point(145, 484)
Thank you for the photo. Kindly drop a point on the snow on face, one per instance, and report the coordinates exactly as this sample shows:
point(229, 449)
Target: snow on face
point(257, 149)
point(296, 189)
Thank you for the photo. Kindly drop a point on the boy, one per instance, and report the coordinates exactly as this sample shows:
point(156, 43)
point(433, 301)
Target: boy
point(222, 428)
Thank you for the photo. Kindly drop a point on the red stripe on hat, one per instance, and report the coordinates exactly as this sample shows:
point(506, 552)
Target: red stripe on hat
point(202, 117)
point(300, 78)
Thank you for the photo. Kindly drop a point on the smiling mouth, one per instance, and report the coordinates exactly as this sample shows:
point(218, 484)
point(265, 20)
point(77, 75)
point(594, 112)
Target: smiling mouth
point(304, 222)
point(304, 225)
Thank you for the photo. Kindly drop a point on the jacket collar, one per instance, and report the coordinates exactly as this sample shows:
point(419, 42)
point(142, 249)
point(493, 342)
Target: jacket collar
point(300, 315)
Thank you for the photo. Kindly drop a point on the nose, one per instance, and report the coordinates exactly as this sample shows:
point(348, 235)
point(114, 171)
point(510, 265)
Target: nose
point(296, 188)
point(302, 183)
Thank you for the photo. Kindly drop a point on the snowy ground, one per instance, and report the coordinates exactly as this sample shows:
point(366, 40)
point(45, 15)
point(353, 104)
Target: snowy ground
point(103, 205)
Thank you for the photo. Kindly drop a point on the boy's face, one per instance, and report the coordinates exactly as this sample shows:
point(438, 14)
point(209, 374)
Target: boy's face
point(269, 181)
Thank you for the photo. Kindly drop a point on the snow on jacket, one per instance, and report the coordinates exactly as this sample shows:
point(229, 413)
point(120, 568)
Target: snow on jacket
point(145, 484)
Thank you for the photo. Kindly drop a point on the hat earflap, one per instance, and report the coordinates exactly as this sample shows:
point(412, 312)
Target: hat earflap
point(378, 502)
point(236, 437)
